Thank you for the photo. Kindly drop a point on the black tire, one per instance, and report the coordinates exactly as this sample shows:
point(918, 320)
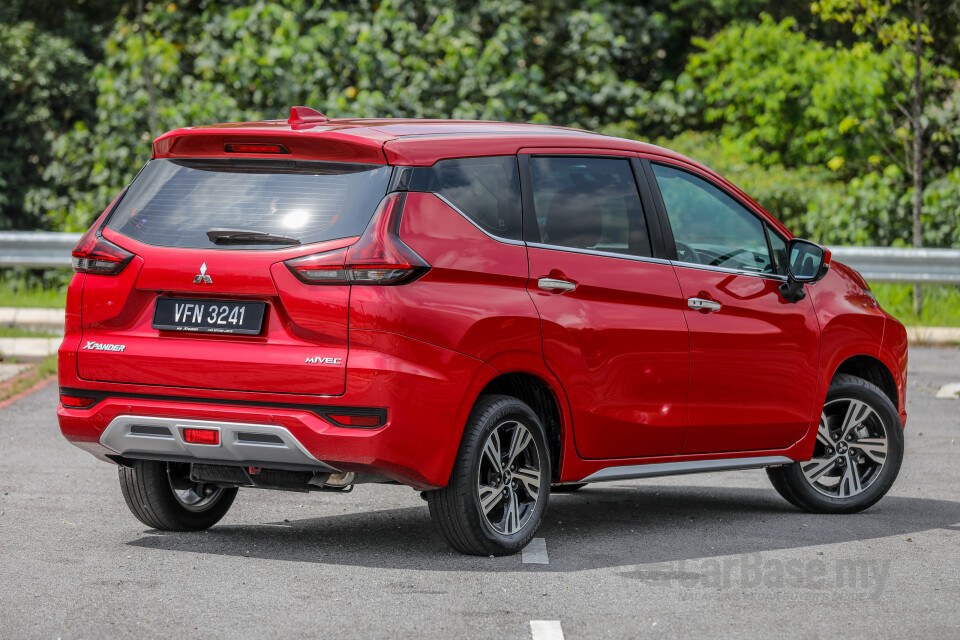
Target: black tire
point(791, 483)
point(456, 508)
point(149, 492)
point(567, 488)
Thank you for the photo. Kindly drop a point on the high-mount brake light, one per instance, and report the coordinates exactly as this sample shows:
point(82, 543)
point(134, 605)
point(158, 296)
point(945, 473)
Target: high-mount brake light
point(94, 254)
point(254, 148)
point(378, 257)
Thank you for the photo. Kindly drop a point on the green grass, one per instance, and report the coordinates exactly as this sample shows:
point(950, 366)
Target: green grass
point(33, 297)
point(20, 332)
point(941, 304)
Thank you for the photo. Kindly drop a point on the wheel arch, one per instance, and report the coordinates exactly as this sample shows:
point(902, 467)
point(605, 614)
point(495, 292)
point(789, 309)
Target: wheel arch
point(542, 398)
point(865, 366)
point(874, 371)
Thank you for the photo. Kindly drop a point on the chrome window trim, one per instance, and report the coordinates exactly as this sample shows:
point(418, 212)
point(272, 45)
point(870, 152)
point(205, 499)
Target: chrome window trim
point(519, 243)
point(736, 272)
point(594, 252)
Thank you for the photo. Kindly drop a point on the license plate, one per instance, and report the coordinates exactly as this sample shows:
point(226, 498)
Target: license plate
point(208, 316)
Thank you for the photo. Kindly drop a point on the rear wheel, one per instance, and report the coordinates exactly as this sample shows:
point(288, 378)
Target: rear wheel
point(500, 484)
point(162, 496)
point(857, 454)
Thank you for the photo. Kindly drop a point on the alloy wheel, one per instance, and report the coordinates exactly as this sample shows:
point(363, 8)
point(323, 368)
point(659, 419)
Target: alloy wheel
point(850, 450)
point(509, 479)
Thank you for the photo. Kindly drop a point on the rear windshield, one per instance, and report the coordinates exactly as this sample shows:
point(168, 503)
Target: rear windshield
point(176, 203)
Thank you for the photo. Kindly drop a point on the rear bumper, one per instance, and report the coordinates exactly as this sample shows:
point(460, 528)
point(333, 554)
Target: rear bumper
point(426, 391)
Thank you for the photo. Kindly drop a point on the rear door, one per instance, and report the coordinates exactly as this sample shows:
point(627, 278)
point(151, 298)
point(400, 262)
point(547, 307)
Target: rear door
point(207, 302)
point(613, 331)
point(754, 357)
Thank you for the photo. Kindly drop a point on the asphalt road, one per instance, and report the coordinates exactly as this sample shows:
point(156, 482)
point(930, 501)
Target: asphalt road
point(717, 555)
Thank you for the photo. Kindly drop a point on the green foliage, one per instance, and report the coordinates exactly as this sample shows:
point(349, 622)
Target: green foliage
point(795, 108)
point(784, 99)
point(39, 94)
point(582, 64)
point(873, 209)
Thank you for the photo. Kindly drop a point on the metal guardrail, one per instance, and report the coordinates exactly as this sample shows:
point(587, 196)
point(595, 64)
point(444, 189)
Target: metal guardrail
point(913, 266)
point(42, 249)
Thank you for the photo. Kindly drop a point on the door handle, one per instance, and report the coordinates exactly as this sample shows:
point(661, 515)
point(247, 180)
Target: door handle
point(552, 284)
point(701, 304)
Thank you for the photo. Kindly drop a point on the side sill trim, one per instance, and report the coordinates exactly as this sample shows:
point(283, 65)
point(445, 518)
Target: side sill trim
point(677, 468)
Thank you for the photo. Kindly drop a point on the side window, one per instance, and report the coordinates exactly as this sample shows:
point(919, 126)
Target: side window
point(710, 227)
point(589, 203)
point(487, 190)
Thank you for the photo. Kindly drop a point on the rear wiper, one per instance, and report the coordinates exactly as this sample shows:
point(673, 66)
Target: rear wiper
point(245, 236)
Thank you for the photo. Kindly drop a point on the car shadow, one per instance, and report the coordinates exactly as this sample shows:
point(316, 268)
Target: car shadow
point(596, 527)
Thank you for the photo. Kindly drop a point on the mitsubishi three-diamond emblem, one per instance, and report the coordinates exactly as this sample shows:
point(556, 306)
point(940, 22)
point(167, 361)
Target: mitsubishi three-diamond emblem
point(202, 277)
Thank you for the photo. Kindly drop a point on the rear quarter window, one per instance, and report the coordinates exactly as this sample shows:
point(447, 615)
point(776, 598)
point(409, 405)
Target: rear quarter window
point(174, 203)
point(486, 190)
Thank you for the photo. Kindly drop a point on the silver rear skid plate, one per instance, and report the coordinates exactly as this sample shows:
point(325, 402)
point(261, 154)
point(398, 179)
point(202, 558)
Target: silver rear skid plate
point(686, 466)
point(241, 444)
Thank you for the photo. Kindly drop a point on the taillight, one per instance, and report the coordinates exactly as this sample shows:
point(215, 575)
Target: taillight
point(378, 257)
point(94, 254)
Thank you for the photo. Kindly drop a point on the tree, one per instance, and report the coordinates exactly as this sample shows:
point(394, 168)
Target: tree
point(41, 94)
point(779, 97)
point(901, 27)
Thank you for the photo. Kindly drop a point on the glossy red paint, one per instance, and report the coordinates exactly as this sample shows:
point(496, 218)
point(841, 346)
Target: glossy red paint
point(740, 399)
point(619, 344)
point(636, 377)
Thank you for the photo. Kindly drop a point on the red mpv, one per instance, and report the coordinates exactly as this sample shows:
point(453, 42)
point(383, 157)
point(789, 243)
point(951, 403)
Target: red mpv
point(485, 312)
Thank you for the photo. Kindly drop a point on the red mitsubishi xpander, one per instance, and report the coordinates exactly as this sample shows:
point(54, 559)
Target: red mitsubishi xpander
point(482, 311)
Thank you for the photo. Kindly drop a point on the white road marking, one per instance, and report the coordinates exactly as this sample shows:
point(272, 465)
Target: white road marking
point(546, 629)
point(949, 391)
point(535, 552)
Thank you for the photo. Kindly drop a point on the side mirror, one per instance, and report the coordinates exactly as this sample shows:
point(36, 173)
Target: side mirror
point(809, 263)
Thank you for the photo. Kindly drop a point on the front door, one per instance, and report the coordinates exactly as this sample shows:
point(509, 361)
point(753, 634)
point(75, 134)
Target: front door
point(754, 356)
point(613, 329)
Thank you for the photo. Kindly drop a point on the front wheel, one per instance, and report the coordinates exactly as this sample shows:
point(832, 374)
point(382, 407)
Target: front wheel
point(162, 496)
point(500, 484)
point(857, 454)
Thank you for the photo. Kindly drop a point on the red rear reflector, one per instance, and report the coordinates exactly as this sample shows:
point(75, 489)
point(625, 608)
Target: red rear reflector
point(98, 255)
point(378, 257)
point(201, 436)
point(356, 421)
point(254, 148)
point(76, 401)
